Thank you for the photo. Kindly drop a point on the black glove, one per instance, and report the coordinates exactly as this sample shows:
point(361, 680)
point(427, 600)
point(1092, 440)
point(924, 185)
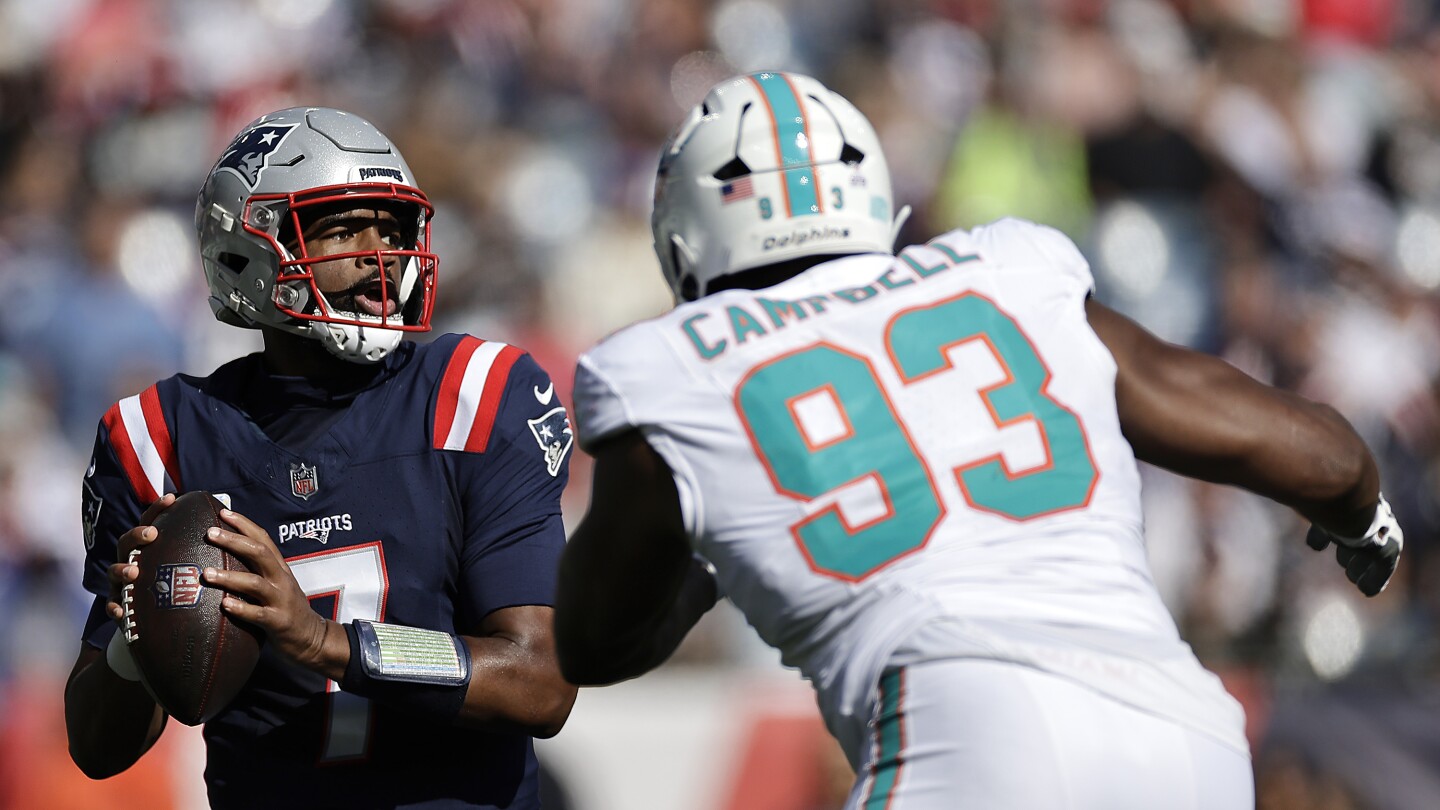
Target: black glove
point(1368, 561)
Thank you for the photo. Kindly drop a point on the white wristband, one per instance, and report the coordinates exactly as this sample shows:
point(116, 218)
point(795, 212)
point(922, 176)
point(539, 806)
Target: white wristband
point(118, 657)
point(1384, 517)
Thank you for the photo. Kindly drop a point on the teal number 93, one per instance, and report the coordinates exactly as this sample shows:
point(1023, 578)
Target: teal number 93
point(875, 444)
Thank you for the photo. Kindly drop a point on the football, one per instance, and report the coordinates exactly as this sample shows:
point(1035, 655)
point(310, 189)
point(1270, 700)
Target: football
point(192, 657)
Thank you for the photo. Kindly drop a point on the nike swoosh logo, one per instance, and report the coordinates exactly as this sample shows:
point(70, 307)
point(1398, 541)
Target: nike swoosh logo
point(544, 396)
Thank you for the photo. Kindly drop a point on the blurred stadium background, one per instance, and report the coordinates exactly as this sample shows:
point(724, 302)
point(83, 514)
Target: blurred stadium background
point(1259, 179)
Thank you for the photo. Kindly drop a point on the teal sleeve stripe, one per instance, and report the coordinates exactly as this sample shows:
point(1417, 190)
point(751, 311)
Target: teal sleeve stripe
point(792, 137)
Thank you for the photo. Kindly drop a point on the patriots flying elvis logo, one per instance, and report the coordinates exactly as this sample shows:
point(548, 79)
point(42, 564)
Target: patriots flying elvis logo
point(91, 505)
point(552, 432)
point(246, 156)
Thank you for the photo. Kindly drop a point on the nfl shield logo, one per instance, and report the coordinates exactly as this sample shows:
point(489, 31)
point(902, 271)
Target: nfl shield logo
point(304, 481)
point(177, 585)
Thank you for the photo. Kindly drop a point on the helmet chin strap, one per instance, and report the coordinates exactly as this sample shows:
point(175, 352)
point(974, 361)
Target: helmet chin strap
point(356, 344)
point(899, 222)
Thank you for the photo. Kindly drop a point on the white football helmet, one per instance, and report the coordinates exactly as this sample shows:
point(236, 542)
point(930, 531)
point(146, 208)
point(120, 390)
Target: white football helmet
point(279, 165)
point(769, 167)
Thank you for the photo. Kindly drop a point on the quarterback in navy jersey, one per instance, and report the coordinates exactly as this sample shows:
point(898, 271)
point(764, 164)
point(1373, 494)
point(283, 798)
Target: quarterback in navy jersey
point(379, 488)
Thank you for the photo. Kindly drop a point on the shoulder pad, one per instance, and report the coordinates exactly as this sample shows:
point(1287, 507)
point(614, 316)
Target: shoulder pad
point(1021, 242)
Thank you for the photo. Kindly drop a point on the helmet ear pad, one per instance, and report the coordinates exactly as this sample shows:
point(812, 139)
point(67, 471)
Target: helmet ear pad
point(240, 275)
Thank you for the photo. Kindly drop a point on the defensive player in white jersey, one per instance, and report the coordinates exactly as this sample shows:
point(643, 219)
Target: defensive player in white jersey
point(915, 474)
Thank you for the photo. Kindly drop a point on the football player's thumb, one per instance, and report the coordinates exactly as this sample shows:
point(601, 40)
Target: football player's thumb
point(1317, 538)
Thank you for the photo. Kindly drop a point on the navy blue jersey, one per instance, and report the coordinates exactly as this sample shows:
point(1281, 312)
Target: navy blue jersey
point(431, 499)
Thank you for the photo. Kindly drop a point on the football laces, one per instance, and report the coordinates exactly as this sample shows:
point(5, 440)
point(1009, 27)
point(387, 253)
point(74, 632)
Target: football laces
point(127, 603)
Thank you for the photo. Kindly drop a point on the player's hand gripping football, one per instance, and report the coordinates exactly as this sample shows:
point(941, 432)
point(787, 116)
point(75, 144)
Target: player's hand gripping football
point(123, 572)
point(271, 599)
point(1368, 561)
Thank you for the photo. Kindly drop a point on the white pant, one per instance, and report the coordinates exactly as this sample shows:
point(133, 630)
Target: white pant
point(974, 734)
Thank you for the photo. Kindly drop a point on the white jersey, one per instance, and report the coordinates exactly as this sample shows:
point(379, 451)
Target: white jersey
point(896, 459)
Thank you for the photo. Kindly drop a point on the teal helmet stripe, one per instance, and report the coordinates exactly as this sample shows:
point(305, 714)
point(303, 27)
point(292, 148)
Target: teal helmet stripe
point(792, 142)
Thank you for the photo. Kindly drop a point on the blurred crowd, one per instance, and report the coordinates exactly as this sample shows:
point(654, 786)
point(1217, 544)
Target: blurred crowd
point(1258, 179)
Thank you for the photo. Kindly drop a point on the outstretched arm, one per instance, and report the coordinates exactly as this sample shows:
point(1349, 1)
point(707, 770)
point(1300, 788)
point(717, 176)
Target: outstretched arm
point(630, 588)
point(1201, 417)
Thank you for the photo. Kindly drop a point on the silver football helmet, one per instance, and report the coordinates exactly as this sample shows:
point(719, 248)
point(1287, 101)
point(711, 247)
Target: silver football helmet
point(279, 165)
point(769, 167)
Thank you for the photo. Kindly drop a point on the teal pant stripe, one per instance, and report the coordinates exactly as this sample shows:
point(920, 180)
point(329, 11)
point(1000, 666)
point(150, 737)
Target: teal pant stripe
point(890, 736)
point(792, 134)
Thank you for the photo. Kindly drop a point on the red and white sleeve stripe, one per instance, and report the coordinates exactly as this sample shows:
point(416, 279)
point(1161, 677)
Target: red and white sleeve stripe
point(141, 441)
point(470, 393)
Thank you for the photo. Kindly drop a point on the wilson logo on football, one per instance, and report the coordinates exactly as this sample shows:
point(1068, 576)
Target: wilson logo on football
point(177, 585)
